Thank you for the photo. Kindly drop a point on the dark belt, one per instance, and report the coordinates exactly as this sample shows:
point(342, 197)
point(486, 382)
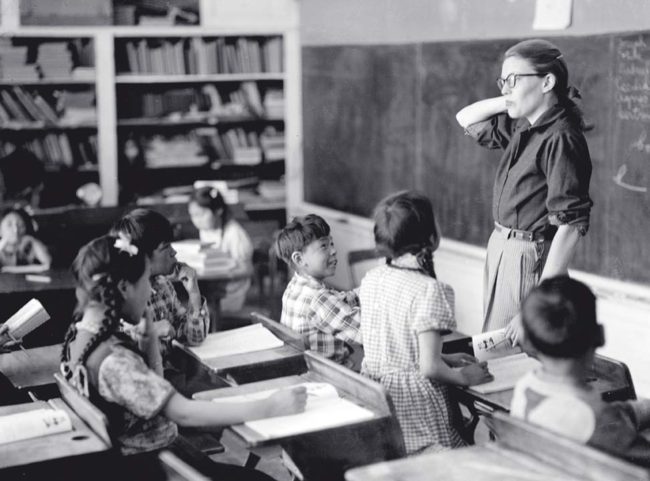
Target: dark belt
point(519, 234)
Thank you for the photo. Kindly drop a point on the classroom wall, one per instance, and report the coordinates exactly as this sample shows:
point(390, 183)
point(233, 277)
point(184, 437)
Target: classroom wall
point(348, 22)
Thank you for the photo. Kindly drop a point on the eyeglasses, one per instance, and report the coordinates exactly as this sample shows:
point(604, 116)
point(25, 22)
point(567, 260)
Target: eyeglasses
point(511, 80)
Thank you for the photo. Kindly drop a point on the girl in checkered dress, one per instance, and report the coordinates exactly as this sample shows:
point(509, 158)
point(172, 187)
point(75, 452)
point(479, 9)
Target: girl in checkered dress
point(404, 311)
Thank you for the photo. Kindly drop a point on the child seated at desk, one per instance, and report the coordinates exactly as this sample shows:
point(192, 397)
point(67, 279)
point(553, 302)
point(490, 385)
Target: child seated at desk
point(125, 380)
point(18, 246)
point(152, 233)
point(212, 217)
point(559, 321)
point(404, 311)
point(328, 318)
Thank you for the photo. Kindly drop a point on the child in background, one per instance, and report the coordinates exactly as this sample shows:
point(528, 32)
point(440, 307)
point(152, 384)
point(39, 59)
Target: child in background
point(559, 322)
point(152, 233)
point(212, 217)
point(404, 311)
point(124, 379)
point(328, 318)
point(18, 246)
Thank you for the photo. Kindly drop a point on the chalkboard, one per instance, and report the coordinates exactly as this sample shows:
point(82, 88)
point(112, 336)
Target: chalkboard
point(380, 118)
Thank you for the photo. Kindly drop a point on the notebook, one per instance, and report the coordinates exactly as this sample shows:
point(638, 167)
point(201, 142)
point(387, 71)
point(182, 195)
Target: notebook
point(507, 371)
point(33, 424)
point(246, 339)
point(324, 410)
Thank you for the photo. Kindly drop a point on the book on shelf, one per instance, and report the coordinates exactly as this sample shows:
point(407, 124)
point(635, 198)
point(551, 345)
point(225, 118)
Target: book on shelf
point(242, 340)
point(28, 318)
point(506, 363)
point(33, 424)
point(325, 409)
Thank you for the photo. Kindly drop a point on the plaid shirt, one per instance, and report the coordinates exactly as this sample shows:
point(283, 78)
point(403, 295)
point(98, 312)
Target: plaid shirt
point(190, 326)
point(326, 317)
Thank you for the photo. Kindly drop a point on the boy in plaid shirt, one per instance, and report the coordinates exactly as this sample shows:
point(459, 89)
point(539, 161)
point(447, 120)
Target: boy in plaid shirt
point(152, 232)
point(328, 318)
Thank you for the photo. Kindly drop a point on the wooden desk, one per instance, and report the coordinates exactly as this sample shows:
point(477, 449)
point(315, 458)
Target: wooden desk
point(31, 368)
point(61, 279)
point(609, 377)
point(80, 441)
point(258, 365)
point(328, 453)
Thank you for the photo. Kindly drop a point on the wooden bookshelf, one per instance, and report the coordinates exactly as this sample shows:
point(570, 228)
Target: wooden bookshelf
point(242, 83)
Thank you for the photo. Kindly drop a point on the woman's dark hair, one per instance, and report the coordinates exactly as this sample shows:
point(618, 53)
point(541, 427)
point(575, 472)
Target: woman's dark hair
point(211, 198)
point(98, 268)
point(559, 318)
point(405, 223)
point(146, 228)
point(30, 224)
point(545, 57)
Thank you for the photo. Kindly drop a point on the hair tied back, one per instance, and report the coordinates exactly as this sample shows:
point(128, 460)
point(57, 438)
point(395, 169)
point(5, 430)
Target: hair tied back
point(213, 193)
point(123, 244)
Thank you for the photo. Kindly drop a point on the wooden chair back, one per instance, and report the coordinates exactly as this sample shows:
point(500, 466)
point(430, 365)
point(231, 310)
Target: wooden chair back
point(86, 410)
point(572, 457)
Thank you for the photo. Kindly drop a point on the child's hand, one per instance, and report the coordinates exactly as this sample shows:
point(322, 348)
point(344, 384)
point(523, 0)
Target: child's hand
point(476, 374)
point(459, 359)
point(164, 329)
point(187, 276)
point(287, 401)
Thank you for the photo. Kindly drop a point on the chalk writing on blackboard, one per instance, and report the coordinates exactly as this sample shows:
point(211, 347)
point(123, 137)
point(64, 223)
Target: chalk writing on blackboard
point(618, 179)
point(632, 80)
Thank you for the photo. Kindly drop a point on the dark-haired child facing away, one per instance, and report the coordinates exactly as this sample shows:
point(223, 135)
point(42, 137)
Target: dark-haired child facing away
point(559, 321)
point(124, 379)
point(404, 311)
point(328, 318)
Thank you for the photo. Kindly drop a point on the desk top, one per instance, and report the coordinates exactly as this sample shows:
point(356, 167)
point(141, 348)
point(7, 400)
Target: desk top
point(487, 463)
point(236, 274)
point(81, 440)
point(31, 367)
point(60, 279)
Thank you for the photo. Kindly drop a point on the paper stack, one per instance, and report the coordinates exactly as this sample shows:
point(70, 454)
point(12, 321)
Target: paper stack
point(33, 424)
point(237, 341)
point(203, 259)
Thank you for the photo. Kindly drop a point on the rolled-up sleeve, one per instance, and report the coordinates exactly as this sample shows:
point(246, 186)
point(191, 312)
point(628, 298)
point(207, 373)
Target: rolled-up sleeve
point(568, 172)
point(493, 133)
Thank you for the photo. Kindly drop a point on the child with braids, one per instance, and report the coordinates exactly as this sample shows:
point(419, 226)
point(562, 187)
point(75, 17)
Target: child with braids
point(404, 310)
point(124, 379)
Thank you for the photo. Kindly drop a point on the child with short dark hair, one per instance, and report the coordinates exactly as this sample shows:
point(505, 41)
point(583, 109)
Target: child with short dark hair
point(560, 326)
point(124, 379)
point(404, 311)
point(18, 244)
point(328, 318)
point(151, 232)
point(212, 217)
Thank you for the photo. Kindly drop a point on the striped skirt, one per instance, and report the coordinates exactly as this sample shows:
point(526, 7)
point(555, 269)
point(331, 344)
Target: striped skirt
point(512, 268)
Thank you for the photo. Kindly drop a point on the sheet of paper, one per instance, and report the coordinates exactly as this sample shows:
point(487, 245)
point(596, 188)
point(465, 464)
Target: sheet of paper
point(251, 338)
point(33, 424)
point(552, 14)
point(492, 344)
point(507, 371)
point(324, 410)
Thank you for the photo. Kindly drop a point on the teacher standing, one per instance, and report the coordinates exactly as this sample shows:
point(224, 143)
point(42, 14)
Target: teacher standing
point(541, 201)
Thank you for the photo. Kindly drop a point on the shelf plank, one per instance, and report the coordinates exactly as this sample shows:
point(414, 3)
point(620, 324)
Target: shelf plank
point(138, 78)
point(40, 126)
point(211, 121)
point(46, 82)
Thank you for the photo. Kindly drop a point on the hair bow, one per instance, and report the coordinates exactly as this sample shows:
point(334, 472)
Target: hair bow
point(123, 243)
point(214, 193)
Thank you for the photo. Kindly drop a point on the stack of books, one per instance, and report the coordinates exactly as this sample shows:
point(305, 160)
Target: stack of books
point(12, 63)
point(202, 258)
point(272, 144)
point(274, 104)
point(54, 60)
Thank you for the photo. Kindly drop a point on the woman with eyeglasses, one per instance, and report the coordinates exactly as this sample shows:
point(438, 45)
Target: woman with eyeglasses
point(541, 201)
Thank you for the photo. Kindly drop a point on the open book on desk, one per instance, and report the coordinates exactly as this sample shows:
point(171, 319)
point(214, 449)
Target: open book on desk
point(246, 339)
point(506, 362)
point(28, 318)
point(33, 424)
point(324, 410)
